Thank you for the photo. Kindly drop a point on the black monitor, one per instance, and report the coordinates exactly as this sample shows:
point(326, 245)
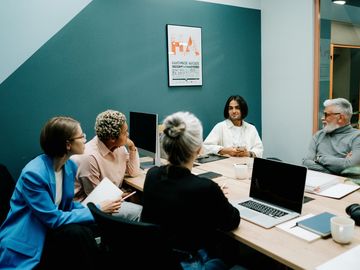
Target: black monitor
point(144, 132)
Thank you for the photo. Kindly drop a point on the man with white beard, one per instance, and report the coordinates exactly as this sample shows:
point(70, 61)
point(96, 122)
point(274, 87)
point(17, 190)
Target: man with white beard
point(336, 146)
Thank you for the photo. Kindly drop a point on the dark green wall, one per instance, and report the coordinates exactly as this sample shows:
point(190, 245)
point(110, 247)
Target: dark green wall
point(113, 55)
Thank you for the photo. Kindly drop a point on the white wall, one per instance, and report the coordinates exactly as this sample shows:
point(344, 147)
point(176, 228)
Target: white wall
point(287, 38)
point(345, 33)
point(25, 25)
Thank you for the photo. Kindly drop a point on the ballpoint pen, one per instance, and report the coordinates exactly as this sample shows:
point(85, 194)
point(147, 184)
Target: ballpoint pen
point(127, 196)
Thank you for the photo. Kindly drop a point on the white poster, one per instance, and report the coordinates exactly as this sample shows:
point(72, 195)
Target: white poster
point(184, 55)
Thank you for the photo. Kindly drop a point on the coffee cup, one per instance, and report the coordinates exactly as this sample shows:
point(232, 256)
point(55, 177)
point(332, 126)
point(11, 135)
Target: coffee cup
point(241, 171)
point(342, 229)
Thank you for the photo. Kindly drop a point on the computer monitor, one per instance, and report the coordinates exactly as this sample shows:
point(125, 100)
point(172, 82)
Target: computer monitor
point(144, 132)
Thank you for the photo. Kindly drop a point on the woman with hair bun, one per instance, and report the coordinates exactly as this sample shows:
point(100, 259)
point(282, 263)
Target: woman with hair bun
point(189, 208)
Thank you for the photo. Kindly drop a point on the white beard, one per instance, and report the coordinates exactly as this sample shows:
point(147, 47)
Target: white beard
point(330, 127)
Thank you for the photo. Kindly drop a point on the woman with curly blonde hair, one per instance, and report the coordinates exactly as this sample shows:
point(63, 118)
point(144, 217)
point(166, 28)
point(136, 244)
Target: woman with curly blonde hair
point(109, 154)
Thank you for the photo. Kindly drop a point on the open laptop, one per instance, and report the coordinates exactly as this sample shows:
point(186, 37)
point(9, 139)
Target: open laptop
point(276, 193)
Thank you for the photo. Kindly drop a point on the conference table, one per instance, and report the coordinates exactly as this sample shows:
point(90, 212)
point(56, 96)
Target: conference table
point(287, 249)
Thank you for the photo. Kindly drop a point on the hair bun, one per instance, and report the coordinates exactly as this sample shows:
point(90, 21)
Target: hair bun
point(175, 131)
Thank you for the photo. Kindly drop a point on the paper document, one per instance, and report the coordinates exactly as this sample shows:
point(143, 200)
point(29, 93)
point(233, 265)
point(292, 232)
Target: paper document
point(105, 190)
point(348, 260)
point(317, 181)
point(338, 191)
point(327, 185)
point(291, 228)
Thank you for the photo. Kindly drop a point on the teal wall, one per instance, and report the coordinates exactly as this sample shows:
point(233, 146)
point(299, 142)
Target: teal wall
point(324, 84)
point(113, 55)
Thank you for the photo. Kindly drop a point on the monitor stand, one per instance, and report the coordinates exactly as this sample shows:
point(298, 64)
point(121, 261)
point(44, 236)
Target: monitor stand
point(149, 164)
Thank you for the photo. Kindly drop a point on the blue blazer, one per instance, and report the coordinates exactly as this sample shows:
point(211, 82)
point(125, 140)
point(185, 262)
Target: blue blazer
point(33, 211)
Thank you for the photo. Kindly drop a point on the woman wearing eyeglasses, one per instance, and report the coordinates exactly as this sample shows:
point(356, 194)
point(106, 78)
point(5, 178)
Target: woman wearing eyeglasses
point(43, 218)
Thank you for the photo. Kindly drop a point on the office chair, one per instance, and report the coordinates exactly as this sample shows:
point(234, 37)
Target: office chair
point(133, 245)
point(274, 158)
point(351, 172)
point(7, 186)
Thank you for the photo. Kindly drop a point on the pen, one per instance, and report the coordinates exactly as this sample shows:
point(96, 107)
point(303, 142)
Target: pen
point(127, 196)
point(223, 186)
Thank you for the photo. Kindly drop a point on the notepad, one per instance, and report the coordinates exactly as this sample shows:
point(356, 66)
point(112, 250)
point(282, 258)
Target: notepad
point(292, 228)
point(327, 185)
point(209, 158)
point(105, 190)
point(317, 182)
point(210, 175)
point(319, 224)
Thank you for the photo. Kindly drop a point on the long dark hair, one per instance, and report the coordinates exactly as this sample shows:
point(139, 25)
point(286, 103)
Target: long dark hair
point(242, 104)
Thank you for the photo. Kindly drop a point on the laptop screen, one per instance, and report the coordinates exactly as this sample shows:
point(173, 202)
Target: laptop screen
point(278, 183)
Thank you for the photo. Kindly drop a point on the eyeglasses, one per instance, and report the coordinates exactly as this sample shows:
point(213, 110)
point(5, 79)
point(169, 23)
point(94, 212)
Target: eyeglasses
point(82, 136)
point(329, 114)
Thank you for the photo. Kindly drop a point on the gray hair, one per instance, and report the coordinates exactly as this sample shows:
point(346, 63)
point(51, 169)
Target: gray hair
point(108, 124)
point(182, 137)
point(342, 104)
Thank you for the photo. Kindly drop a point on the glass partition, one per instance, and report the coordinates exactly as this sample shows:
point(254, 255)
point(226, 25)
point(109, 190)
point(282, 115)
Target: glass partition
point(339, 67)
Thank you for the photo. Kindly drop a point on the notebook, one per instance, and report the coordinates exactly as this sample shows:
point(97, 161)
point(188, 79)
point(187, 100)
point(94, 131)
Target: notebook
point(276, 193)
point(105, 190)
point(319, 224)
point(209, 175)
point(209, 158)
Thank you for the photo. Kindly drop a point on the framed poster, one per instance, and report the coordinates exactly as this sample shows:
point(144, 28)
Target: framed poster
point(184, 55)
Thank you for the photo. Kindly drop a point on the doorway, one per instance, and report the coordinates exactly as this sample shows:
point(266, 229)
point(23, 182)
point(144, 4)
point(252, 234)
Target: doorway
point(345, 76)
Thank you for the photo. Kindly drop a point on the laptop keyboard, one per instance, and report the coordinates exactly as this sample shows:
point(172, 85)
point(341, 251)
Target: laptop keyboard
point(267, 210)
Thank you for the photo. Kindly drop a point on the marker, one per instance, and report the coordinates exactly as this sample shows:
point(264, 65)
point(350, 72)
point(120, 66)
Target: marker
point(127, 196)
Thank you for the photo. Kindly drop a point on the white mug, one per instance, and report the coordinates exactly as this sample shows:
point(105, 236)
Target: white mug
point(241, 171)
point(342, 229)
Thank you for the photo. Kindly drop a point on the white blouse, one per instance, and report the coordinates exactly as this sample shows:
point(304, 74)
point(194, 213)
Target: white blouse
point(225, 134)
point(59, 185)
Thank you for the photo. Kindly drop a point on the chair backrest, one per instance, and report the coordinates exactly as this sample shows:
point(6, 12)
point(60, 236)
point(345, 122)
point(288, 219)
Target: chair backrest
point(351, 172)
point(134, 245)
point(7, 186)
point(274, 158)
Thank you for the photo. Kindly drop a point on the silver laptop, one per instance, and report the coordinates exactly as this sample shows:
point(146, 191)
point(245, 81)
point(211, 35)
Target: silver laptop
point(276, 193)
